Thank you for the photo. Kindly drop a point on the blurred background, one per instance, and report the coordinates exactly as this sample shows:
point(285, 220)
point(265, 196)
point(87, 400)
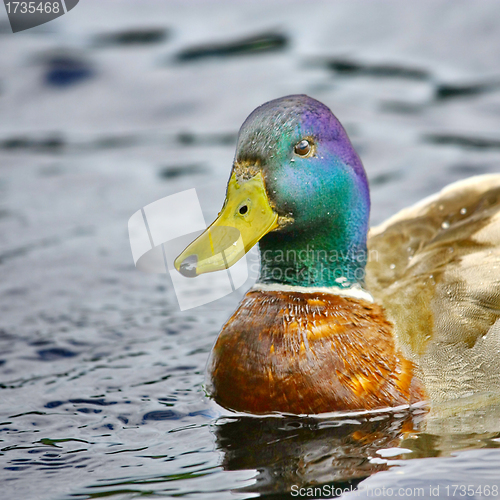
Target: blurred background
point(119, 103)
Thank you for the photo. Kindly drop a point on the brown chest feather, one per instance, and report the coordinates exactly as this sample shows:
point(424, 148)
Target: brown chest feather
point(308, 353)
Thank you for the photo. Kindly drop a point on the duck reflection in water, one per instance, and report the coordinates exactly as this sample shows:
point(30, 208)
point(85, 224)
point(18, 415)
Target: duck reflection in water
point(302, 451)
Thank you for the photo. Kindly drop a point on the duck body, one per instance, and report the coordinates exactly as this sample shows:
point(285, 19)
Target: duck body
point(340, 320)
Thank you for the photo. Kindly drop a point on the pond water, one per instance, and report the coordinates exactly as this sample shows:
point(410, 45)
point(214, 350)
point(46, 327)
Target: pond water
point(118, 104)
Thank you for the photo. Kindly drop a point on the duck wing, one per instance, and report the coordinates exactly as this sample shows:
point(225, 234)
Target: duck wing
point(435, 267)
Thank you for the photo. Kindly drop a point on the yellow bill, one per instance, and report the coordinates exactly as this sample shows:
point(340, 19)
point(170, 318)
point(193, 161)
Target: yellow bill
point(244, 219)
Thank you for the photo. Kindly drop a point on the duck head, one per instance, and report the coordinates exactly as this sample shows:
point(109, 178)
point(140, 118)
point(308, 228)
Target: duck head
point(298, 187)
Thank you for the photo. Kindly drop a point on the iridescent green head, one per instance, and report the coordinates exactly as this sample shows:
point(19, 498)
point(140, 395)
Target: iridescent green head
point(298, 182)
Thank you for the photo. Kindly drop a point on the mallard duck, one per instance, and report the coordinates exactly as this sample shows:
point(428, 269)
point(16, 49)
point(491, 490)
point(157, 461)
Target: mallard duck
point(339, 319)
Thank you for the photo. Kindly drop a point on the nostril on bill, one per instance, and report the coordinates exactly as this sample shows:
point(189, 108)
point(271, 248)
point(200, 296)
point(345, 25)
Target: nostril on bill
point(188, 266)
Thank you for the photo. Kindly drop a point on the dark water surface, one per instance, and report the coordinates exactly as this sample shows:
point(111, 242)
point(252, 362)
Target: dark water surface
point(117, 104)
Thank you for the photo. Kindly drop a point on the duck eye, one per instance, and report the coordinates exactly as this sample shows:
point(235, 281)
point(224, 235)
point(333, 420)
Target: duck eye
point(303, 147)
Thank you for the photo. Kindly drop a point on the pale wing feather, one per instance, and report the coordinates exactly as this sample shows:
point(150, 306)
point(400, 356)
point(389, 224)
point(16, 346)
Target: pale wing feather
point(435, 267)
